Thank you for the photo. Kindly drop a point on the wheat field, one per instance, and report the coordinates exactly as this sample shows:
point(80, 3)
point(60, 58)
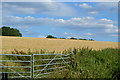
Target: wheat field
point(57, 45)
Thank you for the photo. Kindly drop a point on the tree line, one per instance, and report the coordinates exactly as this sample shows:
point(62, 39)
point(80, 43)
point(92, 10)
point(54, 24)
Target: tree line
point(7, 31)
point(50, 36)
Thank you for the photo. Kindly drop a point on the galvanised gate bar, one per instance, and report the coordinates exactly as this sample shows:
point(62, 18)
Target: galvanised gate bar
point(33, 66)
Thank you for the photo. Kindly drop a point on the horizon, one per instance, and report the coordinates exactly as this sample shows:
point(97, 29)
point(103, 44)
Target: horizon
point(86, 20)
point(56, 38)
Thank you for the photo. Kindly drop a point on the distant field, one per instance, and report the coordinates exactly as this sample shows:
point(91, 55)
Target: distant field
point(57, 45)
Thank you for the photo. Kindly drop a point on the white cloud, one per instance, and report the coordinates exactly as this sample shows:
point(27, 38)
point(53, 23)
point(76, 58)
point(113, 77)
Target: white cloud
point(76, 23)
point(85, 5)
point(99, 7)
point(71, 34)
point(79, 36)
point(39, 8)
point(89, 34)
point(112, 6)
point(111, 28)
point(115, 35)
point(93, 12)
point(106, 20)
point(67, 33)
point(40, 36)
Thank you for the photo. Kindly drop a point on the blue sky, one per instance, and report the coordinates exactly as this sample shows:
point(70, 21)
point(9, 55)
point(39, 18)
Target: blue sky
point(90, 20)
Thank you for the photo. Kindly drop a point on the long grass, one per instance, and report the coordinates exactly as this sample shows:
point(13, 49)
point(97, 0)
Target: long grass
point(88, 63)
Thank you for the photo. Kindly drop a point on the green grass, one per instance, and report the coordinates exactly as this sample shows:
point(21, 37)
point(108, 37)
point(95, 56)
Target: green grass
point(88, 63)
point(85, 63)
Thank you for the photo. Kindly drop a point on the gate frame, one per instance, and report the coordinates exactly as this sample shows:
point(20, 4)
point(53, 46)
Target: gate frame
point(32, 65)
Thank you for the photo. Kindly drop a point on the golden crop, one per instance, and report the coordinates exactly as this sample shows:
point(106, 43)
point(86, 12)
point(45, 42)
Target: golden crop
point(57, 45)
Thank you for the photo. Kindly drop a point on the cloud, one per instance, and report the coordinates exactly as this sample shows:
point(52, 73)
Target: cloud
point(107, 6)
point(29, 32)
point(85, 5)
point(93, 12)
point(111, 29)
point(77, 35)
point(72, 34)
point(89, 34)
point(39, 8)
point(99, 7)
point(41, 36)
point(115, 35)
point(75, 23)
point(0, 13)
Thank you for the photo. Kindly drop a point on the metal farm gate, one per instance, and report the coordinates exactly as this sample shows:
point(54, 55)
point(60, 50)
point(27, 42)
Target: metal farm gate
point(32, 66)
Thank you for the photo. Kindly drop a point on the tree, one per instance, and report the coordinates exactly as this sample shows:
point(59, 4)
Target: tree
point(7, 31)
point(62, 38)
point(82, 39)
point(50, 36)
point(73, 38)
point(91, 40)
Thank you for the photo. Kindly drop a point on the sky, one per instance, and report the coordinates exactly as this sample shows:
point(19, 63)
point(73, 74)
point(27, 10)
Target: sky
point(88, 20)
